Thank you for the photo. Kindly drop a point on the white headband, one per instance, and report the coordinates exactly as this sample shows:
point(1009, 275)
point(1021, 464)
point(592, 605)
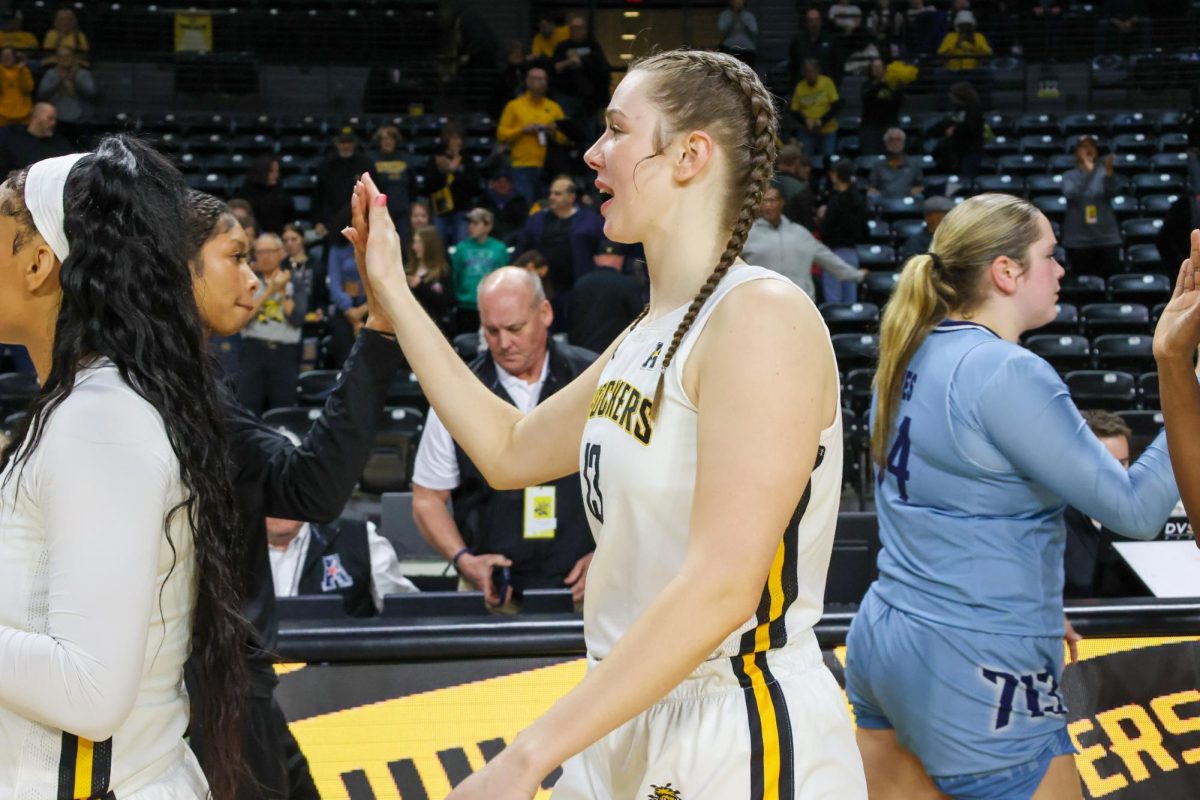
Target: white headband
point(44, 198)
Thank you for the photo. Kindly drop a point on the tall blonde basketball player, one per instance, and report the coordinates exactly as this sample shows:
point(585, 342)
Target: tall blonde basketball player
point(708, 440)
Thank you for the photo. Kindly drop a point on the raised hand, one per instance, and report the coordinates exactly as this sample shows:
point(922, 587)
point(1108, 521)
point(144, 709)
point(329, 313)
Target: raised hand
point(1178, 331)
point(358, 234)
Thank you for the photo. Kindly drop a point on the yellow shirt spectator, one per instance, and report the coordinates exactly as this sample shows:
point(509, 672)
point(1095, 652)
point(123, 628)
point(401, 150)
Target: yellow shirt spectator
point(813, 101)
point(961, 52)
point(76, 39)
point(19, 40)
point(16, 93)
point(543, 46)
point(528, 150)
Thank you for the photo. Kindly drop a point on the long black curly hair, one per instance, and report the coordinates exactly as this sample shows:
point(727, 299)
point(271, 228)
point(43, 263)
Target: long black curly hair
point(127, 296)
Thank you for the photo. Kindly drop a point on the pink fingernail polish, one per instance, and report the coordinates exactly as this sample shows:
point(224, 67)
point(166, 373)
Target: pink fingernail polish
point(381, 200)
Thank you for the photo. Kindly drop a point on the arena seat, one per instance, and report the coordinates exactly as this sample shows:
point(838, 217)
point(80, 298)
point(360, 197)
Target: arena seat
point(1082, 290)
point(1089, 123)
point(1006, 184)
point(1064, 352)
point(855, 349)
point(1053, 206)
point(903, 229)
point(389, 468)
point(1144, 258)
point(852, 565)
point(1036, 124)
point(1156, 205)
point(1140, 143)
point(857, 387)
point(1132, 122)
point(1125, 206)
point(406, 391)
point(1130, 164)
point(1141, 230)
point(1023, 164)
point(1176, 163)
point(1044, 145)
point(876, 256)
point(1128, 353)
point(1002, 146)
point(1044, 185)
point(879, 285)
point(879, 232)
point(1066, 320)
point(1147, 288)
point(293, 419)
point(1147, 390)
point(1107, 390)
point(850, 317)
point(314, 386)
point(1098, 318)
point(894, 208)
point(1158, 183)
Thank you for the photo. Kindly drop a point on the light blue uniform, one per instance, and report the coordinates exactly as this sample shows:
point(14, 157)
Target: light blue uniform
point(958, 644)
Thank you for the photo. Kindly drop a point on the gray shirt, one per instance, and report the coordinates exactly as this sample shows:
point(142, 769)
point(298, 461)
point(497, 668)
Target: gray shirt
point(738, 31)
point(271, 324)
point(1090, 220)
point(71, 100)
point(897, 181)
point(791, 250)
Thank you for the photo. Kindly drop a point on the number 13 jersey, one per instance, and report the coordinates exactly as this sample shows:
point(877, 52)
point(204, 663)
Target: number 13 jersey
point(638, 474)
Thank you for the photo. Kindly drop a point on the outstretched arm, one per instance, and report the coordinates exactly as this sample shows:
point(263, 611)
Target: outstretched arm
point(1175, 341)
point(512, 450)
point(751, 472)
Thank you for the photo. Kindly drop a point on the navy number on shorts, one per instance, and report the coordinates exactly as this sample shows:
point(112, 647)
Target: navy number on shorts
point(591, 476)
point(897, 460)
point(1029, 684)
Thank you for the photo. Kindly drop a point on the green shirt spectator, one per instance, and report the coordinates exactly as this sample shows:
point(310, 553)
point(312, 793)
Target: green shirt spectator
point(476, 256)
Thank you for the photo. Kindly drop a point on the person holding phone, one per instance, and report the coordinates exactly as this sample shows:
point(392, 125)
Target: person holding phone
point(1090, 231)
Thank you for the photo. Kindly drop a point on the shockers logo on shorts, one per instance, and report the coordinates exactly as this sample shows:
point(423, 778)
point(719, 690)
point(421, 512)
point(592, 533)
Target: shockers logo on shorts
point(334, 575)
point(663, 793)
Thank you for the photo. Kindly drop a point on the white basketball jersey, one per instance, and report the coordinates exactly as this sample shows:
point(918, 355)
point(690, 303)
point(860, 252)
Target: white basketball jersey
point(639, 480)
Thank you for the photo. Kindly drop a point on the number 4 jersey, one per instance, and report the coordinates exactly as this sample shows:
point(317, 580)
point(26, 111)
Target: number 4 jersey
point(639, 479)
point(985, 450)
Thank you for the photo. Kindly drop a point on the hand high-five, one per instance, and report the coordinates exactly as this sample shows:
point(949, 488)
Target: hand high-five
point(358, 234)
point(1178, 332)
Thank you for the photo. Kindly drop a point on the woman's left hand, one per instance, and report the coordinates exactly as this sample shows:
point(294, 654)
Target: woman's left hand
point(502, 779)
point(1178, 331)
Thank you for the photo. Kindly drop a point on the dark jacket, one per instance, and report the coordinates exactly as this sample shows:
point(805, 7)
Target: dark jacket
point(273, 206)
point(511, 213)
point(587, 231)
point(589, 83)
point(19, 148)
point(465, 187)
point(492, 521)
point(311, 482)
point(846, 219)
point(335, 183)
point(338, 561)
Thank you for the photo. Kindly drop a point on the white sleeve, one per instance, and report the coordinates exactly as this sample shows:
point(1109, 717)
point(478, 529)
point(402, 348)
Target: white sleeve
point(103, 483)
point(436, 466)
point(386, 575)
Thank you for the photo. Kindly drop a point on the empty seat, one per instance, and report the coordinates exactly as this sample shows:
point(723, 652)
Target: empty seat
point(1115, 318)
point(1134, 122)
point(1026, 164)
point(1065, 352)
point(864, 164)
point(905, 229)
point(1147, 389)
point(1066, 320)
point(1082, 289)
point(1132, 287)
point(389, 468)
point(1053, 206)
point(850, 317)
point(857, 387)
point(1130, 353)
point(406, 391)
point(855, 350)
point(1174, 142)
point(1061, 162)
point(1144, 258)
point(1139, 143)
point(1144, 424)
point(879, 285)
point(11, 423)
point(1090, 123)
point(1156, 205)
point(1125, 206)
point(1141, 230)
point(1044, 145)
point(876, 256)
point(852, 562)
point(879, 231)
point(1131, 163)
point(1102, 389)
point(1042, 185)
point(894, 208)
point(1158, 183)
point(1002, 146)
point(1007, 184)
point(467, 345)
point(1039, 124)
point(1170, 162)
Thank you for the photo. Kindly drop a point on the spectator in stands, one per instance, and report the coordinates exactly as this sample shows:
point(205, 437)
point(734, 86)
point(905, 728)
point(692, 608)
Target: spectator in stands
point(489, 529)
point(549, 35)
point(311, 271)
point(846, 19)
point(534, 262)
point(65, 33)
point(604, 301)
point(935, 209)
point(429, 274)
point(739, 32)
point(418, 217)
point(270, 203)
point(345, 557)
point(815, 42)
point(961, 147)
point(70, 88)
point(22, 146)
point(897, 175)
point(581, 77)
point(568, 235)
point(881, 104)
point(886, 23)
point(843, 228)
point(336, 177)
point(16, 88)
point(269, 364)
point(526, 125)
point(349, 302)
point(1090, 232)
point(815, 104)
point(924, 27)
point(453, 184)
point(13, 34)
point(1121, 28)
point(510, 78)
point(788, 248)
point(243, 212)
point(392, 172)
point(964, 46)
point(793, 170)
point(1092, 567)
point(509, 209)
point(475, 257)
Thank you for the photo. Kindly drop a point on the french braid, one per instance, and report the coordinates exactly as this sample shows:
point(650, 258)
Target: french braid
point(736, 108)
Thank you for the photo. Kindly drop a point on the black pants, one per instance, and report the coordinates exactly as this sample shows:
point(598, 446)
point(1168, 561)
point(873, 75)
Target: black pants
point(1102, 261)
point(267, 374)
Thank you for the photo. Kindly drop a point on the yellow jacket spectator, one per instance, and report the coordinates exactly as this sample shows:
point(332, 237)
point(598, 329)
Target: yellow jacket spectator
point(964, 46)
point(547, 38)
point(65, 32)
point(527, 125)
point(16, 89)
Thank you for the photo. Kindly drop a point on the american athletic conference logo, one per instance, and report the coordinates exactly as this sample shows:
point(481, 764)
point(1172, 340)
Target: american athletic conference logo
point(334, 576)
point(663, 793)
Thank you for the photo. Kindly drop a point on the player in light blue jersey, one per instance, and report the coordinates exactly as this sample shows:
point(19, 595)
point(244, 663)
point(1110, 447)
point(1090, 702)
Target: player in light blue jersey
point(955, 657)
